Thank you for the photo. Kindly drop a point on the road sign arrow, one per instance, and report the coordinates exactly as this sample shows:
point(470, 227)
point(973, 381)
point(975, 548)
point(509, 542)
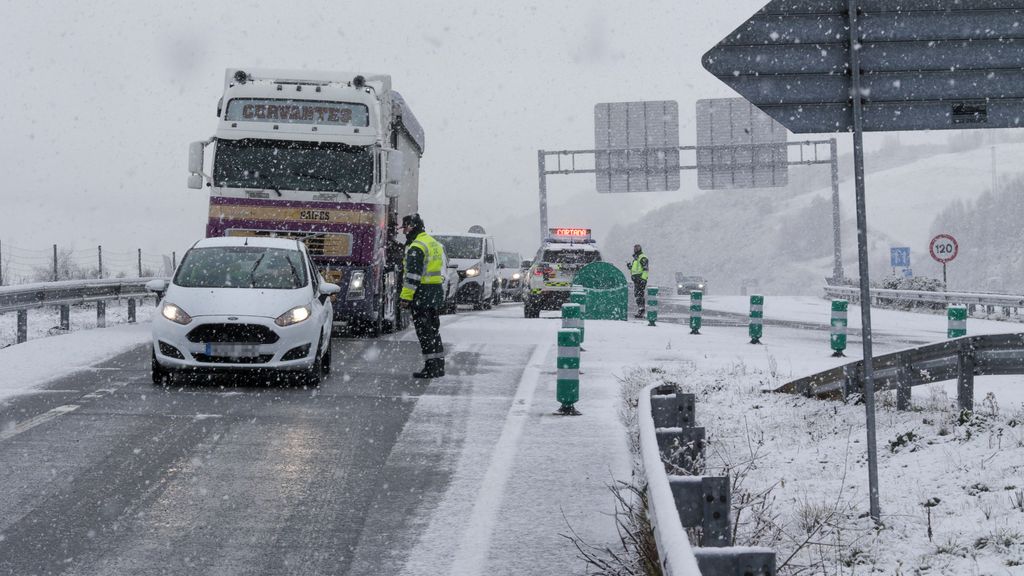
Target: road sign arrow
point(924, 64)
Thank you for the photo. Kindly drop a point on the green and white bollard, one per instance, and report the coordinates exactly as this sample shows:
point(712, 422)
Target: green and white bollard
point(957, 315)
point(567, 390)
point(696, 308)
point(839, 324)
point(578, 295)
point(756, 329)
point(572, 317)
point(652, 305)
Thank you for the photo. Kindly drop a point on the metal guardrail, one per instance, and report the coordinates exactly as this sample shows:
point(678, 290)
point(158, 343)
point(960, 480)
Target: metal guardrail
point(989, 301)
point(667, 434)
point(961, 359)
point(24, 297)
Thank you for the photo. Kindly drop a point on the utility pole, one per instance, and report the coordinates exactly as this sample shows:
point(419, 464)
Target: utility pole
point(99, 257)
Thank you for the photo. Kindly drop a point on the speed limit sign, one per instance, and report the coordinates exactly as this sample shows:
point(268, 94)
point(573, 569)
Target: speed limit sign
point(943, 248)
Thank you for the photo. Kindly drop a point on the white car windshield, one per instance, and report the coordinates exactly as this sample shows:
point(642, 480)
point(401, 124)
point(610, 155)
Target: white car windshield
point(242, 267)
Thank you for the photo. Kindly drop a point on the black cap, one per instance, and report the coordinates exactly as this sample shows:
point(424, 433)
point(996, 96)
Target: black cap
point(413, 220)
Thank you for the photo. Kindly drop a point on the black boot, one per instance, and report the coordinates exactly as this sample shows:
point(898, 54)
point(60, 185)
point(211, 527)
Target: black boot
point(432, 368)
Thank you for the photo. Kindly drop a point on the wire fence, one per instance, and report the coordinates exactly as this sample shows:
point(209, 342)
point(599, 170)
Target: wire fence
point(20, 265)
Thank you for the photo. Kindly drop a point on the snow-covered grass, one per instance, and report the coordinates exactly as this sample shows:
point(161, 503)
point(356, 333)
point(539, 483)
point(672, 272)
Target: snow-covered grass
point(45, 321)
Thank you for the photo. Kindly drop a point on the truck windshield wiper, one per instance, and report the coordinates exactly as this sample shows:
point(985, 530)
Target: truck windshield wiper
point(273, 184)
point(322, 179)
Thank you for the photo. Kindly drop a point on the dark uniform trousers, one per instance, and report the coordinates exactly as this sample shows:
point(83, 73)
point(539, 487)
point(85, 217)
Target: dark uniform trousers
point(640, 293)
point(427, 322)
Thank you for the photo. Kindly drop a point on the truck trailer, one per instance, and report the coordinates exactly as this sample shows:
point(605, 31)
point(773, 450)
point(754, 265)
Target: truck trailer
point(331, 158)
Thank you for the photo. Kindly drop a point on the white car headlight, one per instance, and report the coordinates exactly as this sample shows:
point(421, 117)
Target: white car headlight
point(680, 286)
point(516, 275)
point(474, 271)
point(175, 314)
point(293, 316)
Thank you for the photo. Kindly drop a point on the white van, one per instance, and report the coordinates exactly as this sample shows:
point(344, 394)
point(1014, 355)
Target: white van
point(473, 252)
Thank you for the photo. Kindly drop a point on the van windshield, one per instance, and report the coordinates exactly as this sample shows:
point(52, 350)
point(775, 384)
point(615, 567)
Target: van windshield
point(509, 259)
point(466, 247)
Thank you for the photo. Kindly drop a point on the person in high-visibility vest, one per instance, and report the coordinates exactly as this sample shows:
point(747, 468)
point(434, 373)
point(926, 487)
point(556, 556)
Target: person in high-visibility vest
point(638, 270)
point(423, 294)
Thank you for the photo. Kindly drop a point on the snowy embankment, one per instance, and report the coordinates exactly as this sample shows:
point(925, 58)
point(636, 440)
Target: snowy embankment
point(951, 484)
point(51, 353)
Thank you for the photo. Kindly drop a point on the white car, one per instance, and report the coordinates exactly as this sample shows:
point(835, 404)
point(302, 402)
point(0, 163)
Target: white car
point(244, 304)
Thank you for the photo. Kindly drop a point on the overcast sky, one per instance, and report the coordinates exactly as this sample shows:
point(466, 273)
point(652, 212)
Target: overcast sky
point(105, 97)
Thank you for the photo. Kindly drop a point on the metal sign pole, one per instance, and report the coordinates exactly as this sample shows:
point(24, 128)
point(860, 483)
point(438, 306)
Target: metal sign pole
point(862, 256)
point(837, 268)
point(543, 187)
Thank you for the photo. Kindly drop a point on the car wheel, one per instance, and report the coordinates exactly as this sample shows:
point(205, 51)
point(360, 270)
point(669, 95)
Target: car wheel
point(531, 309)
point(161, 375)
point(496, 296)
point(313, 374)
point(326, 360)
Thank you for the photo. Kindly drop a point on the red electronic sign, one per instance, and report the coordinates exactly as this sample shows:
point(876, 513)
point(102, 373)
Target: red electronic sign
point(574, 232)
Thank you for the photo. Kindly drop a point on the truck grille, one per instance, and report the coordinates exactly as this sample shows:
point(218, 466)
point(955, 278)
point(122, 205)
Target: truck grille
point(233, 333)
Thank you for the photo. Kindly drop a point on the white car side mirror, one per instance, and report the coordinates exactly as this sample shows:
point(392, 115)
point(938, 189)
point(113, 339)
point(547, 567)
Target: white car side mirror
point(158, 285)
point(329, 289)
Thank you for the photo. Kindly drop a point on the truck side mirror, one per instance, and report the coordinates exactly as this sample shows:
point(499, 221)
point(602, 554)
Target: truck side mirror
point(396, 165)
point(195, 157)
point(195, 181)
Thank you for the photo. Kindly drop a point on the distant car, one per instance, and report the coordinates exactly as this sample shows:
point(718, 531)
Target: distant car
point(510, 275)
point(549, 279)
point(687, 284)
point(244, 304)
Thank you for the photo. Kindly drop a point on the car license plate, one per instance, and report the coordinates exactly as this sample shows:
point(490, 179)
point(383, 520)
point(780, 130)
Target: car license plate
point(233, 350)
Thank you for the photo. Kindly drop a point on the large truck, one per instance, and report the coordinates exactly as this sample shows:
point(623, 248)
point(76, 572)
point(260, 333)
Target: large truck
point(331, 158)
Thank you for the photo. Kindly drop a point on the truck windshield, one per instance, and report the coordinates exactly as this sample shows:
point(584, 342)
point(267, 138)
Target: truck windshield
point(285, 165)
point(461, 246)
point(242, 267)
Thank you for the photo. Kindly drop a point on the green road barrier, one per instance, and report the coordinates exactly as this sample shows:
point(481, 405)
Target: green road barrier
point(567, 389)
point(607, 291)
point(696, 309)
point(957, 315)
point(652, 305)
point(756, 329)
point(839, 324)
point(572, 317)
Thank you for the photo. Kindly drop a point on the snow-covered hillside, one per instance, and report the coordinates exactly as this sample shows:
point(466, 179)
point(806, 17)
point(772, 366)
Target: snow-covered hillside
point(783, 239)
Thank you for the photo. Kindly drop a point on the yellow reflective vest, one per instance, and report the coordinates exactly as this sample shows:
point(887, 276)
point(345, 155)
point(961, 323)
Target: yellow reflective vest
point(639, 268)
point(428, 273)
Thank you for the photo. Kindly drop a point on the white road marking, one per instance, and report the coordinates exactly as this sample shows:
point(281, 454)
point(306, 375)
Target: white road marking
point(471, 556)
point(37, 420)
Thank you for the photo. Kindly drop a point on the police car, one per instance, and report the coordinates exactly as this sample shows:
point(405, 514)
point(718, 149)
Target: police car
point(551, 274)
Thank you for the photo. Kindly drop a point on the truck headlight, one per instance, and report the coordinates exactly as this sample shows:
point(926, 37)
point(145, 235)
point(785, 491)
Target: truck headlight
point(293, 316)
point(175, 314)
point(474, 271)
point(356, 285)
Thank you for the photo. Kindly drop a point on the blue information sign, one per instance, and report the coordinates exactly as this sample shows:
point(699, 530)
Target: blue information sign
point(900, 257)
